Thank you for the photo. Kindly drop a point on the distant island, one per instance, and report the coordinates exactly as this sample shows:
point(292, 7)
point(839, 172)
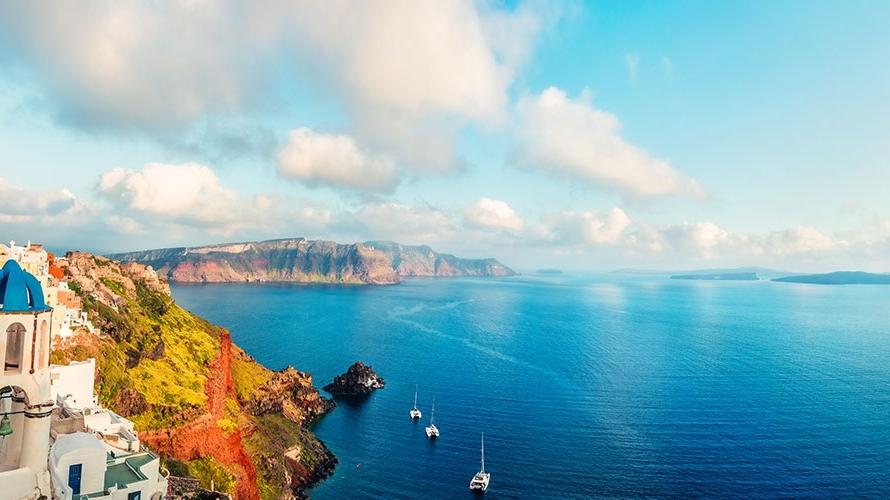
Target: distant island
point(759, 272)
point(299, 260)
point(548, 271)
point(717, 276)
point(839, 278)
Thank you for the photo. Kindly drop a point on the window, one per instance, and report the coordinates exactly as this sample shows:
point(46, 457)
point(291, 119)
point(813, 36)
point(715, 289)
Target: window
point(15, 341)
point(136, 495)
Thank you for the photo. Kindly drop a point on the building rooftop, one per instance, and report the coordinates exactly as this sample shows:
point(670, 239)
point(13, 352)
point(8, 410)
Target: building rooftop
point(19, 290)
point(127, 472)
point(67, 443)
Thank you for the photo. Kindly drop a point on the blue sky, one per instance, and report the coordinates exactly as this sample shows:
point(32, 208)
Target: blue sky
point(585, 135)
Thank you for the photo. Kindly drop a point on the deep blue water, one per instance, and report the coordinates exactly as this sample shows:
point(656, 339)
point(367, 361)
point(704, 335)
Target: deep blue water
point(588, 386)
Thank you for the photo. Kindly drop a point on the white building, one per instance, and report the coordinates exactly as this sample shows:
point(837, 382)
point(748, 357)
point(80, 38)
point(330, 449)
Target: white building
point(25, 400)
point(32, 258)
point(95, 453)
point(82, 467)
point(73, 384)
point(103, 458)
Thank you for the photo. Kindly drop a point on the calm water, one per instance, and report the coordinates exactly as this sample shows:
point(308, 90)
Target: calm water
point(588, 386)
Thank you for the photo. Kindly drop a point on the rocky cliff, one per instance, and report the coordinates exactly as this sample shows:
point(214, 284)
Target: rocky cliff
point(309, 261)
point(211, 411)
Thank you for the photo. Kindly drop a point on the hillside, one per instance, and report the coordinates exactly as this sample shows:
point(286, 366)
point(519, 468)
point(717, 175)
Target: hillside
point(839, 278)
point(309, 261)
point(209, 409)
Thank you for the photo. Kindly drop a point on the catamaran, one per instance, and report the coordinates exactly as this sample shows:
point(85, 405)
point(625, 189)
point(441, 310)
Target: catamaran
point(432, 431)
point(480, 480)
point(415, 413)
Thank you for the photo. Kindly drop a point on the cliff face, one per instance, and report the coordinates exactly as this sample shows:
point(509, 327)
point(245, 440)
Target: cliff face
point(309, 261)
point(209, 409)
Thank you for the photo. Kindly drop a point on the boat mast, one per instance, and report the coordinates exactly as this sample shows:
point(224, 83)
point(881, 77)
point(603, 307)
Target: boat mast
point(483, 452)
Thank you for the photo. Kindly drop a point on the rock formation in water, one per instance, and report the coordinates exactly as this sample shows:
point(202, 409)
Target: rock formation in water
point(211, 411)
point(359, 380)
point(309, 261)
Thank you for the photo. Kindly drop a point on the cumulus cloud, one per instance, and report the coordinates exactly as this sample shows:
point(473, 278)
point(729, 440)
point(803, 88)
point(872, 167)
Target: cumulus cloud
point(190, 199)
point(436, 64)
point(408, 73)
point(334, 160)
point(798, 240)
point(133, 63)
point(420, 223)
point(18, 204)
point(705, 239)
point(708, 240)
point(571, 138)
point(590, 227)
point(189, 193)
point(493, 214)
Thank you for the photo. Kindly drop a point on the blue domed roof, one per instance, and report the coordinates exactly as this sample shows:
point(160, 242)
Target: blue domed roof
point(19, 290)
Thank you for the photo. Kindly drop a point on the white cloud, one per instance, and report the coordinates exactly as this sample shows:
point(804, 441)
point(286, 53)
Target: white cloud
point(334, 160)
point(133, 63)
point(408, 73)
point(124, 225)
point(573, 139)
point(190, 200)
point(496, 214)
point(798, 240)
point(188, 193)
point(705, 239)
point(590, 227)
point(710, 241)
point(403, 223)
point(435, 66)
point(19, 203)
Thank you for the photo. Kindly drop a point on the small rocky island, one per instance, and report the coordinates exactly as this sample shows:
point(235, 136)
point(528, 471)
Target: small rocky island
point(359, 380)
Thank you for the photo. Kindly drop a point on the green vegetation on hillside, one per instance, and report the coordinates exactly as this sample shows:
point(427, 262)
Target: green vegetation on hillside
point(157, 349)
point(274, 437)
point(248, 377)
point(154, 362)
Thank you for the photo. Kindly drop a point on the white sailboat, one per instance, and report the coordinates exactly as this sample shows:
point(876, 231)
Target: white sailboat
point(480, 480)
point(432, 431)
point(415, 413)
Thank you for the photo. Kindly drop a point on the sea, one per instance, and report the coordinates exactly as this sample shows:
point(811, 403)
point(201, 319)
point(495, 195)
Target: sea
point(587, 386)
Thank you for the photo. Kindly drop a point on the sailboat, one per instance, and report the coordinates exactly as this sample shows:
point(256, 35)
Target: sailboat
point(480, 480)
point(415, 413)
point(432, 431)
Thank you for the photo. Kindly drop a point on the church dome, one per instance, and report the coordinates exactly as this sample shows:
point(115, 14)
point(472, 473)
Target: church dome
point(19, 290)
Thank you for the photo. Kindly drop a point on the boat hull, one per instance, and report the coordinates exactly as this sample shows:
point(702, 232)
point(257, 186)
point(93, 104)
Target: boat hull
point(480, 481)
